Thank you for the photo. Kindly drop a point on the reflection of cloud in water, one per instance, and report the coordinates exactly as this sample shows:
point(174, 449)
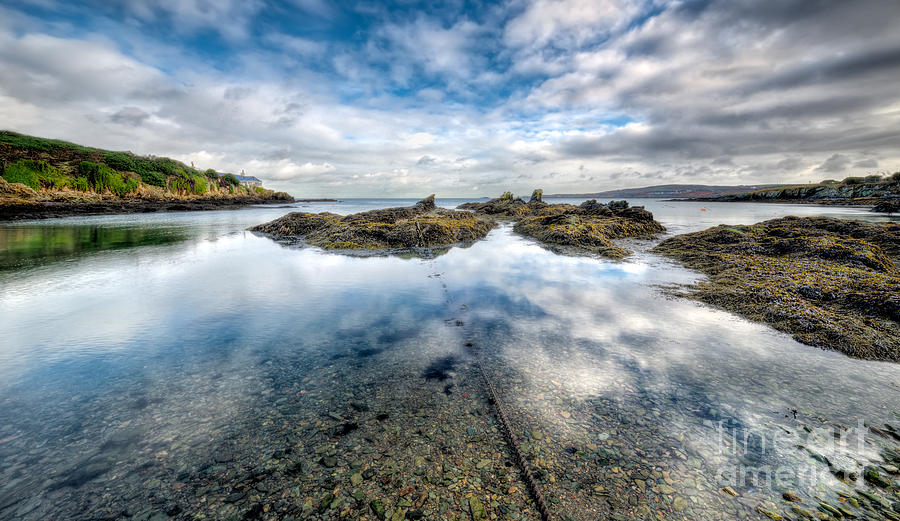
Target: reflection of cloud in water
point(602, 329)
point(209, 328)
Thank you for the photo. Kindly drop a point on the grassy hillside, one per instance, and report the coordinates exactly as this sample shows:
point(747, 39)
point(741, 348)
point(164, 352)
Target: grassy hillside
point(51, 165)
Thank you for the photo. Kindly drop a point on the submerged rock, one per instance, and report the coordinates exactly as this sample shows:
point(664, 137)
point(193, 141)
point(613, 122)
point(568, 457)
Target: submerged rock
point(420, 225)
point(831, 283)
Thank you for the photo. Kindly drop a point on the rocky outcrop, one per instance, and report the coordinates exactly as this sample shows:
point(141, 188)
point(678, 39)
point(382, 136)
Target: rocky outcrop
point(830, 283)
point(16, 194)
point(422, 225)
point(888, 207)
point(590, 227)
point(505, 207)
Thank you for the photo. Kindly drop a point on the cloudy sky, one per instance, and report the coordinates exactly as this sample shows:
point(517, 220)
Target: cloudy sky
point(468, 99)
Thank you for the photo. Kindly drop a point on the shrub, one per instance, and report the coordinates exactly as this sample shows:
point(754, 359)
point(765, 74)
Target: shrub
point(153, 178)
point(81, 183)
point(121, 161)
point(830, 182)
point(854, 180)
point(46, 174)
point(104, 178)
point(895, 176)
point(212, 174)
point(179, 184)
point(231, 180)
point(166, 166)
point(199, 187)
point(873, 178)
point(17, 173)
point(131, 185)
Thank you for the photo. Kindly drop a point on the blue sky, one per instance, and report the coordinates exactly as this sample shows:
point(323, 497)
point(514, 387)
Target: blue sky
point(466, 98)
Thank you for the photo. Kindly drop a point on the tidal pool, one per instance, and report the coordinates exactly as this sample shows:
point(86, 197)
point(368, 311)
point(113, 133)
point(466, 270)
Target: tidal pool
point(176, 366)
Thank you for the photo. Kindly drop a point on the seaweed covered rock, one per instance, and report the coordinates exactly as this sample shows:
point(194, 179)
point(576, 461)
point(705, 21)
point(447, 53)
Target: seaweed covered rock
point(590, 227)
point(593, 232)
point(830, 283)
point(420, 225)
point(505, 206)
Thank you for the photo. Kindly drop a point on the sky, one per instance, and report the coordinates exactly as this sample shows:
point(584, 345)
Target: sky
point(466, 99)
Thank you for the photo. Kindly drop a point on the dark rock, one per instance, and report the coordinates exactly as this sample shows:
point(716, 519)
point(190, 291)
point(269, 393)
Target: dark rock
point(422, 225)
point(887, 207)
point(234, 497)
point(872, 475)
point(345, 428)
point(439, 369)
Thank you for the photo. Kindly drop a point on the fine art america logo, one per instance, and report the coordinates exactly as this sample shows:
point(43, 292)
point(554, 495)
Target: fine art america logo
point(783, 459)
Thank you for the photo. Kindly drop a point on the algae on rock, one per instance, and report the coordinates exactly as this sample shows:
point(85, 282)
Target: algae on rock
point(420, 225)
point(591, 226)
point(830, 283)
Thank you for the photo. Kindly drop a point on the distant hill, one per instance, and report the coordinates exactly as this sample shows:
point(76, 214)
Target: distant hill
point(671, 191)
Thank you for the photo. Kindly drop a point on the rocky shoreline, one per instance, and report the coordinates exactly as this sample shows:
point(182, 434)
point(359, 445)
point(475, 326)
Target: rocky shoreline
point(19, 202)
point(883, 194)
point(829, 283)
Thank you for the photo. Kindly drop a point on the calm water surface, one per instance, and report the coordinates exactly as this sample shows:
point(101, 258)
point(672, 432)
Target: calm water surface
point(176, 366)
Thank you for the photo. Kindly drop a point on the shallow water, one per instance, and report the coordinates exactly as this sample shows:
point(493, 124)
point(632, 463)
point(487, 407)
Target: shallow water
point(175, 365)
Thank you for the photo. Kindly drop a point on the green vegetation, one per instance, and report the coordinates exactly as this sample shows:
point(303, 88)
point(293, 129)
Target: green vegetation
point(53, 165)
point(854, 180)
point(82, 184)
point(35, 174)
point(103, 178)
point(19, 173)
point(231, 179)
point(14, 139)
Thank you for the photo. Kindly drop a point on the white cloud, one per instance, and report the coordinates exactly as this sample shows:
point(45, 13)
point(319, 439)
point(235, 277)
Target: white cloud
point(566, 23)
point(229, 17)
point(286, 169)
point(732, 93)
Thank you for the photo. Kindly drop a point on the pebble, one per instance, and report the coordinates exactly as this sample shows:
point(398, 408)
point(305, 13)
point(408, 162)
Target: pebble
point(476, 509)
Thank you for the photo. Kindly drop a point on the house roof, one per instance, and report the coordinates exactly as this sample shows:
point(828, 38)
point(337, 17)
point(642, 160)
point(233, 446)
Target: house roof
point(242, 177)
